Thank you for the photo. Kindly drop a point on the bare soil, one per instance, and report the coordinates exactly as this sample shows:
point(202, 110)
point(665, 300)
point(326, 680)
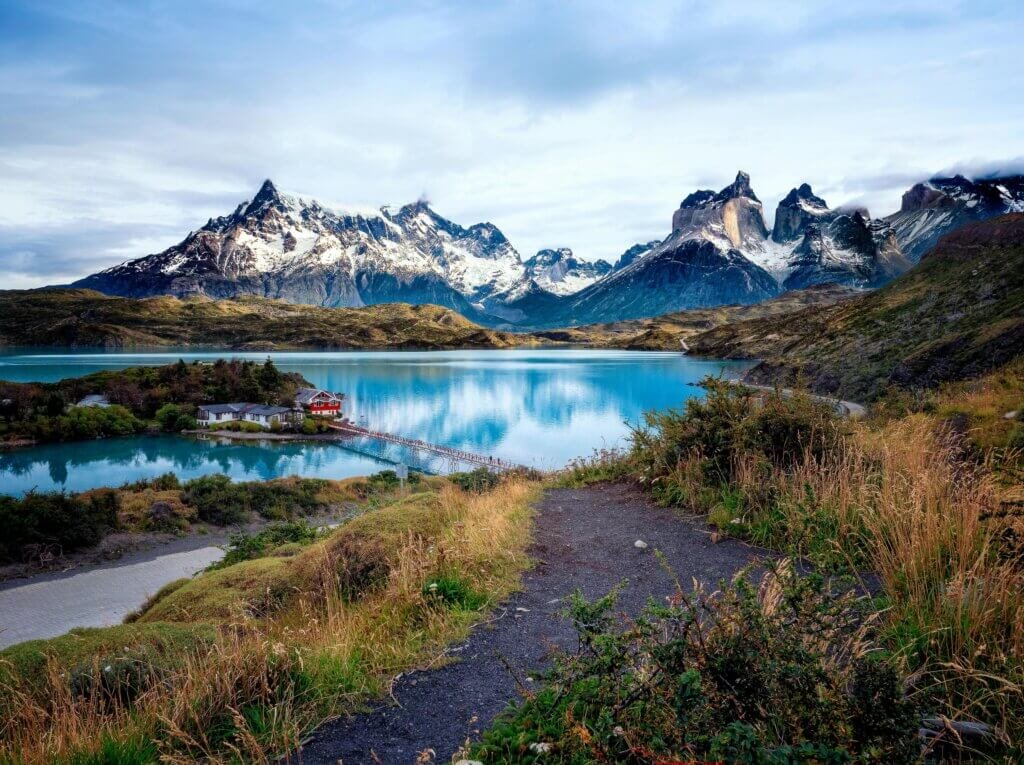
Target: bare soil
point(584, 539)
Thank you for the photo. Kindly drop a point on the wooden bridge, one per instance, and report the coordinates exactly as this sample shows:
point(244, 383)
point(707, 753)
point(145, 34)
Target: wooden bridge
point(414, 443)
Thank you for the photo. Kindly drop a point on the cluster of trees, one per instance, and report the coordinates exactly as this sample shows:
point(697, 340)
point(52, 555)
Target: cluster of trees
point(164, 398)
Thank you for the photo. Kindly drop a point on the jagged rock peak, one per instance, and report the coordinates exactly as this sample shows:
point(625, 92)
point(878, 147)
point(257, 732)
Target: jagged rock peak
point(738, 188)
point(266, 196)
point(634, 253)
point(733, 214)
point(798, 210)
point(803, 193)
point(921, 196)
point(550, 256)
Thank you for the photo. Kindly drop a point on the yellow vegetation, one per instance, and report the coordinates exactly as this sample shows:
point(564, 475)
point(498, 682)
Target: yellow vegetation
point(294, 639)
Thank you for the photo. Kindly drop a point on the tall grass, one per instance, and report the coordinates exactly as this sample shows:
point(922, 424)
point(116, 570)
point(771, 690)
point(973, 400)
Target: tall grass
point(360, 611)
point(907, 502)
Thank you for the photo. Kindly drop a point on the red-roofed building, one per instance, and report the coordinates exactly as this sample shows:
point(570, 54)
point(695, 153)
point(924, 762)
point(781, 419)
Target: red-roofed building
point(319, 402)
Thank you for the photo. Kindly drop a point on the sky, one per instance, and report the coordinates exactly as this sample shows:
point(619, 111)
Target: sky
point(124, 125)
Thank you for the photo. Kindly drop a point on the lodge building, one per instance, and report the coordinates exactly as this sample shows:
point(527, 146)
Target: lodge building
point(307, 401)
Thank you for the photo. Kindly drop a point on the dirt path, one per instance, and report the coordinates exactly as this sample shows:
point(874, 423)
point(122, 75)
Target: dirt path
point(584, 538)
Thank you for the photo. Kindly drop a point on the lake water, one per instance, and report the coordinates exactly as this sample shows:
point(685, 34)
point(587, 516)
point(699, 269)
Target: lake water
point(535, 407)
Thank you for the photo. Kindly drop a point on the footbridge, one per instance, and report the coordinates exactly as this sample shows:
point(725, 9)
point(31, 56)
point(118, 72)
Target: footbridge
point(349, 428)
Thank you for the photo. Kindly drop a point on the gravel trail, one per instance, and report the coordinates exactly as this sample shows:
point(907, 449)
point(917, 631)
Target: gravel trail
point(584, 538)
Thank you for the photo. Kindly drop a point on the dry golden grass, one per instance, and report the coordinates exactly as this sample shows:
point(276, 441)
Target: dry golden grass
point(265, 681)
point(901, 501)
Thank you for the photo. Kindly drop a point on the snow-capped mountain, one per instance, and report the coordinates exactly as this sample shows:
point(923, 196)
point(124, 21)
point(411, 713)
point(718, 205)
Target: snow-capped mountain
point(679, 273)
point(292, 247)
point(941, 205)
point(633, 253)
point(813, 244)
point(719, 251)
point(561, 273)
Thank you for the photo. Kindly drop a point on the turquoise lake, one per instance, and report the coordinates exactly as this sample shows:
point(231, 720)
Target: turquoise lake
point(535, 407)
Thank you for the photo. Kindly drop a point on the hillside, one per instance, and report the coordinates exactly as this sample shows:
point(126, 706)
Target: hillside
point(81, 317)
point(957, 314)
point(674, 331)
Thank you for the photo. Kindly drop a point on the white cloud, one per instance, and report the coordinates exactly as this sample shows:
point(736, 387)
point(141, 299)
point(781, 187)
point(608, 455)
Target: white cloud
point(578, 124)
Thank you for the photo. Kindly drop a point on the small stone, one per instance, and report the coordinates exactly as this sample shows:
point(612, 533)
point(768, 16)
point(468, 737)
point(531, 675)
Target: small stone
point(640, 544)
point(1011, 415)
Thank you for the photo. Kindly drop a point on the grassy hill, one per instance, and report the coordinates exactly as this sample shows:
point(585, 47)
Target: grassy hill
point(79, 317)
point(673, 331)
point(957, 314)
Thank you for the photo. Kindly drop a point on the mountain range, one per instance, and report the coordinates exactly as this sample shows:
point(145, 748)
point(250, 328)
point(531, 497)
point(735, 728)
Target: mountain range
point(719, 251)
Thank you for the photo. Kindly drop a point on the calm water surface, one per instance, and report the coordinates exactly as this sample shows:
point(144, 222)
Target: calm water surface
point(536, 407)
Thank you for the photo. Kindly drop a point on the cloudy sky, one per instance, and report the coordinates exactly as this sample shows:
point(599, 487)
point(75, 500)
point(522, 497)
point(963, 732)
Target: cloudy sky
point(580, 124)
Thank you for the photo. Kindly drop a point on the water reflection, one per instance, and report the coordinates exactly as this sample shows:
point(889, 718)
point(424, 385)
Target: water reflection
point(534, 407)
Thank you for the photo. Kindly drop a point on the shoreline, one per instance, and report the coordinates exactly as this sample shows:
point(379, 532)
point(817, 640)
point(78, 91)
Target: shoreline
point(125, 548)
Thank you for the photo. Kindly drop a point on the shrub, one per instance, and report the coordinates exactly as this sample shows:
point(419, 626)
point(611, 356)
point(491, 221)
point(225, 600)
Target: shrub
point(54, 522)
point(172, 418)
point(244, 546)
point(83, 422)
point(163, 482)
point(313, 425)
point(385, 480)
point(476, 481)
point(776, 675)
point(239, 426)
point(215, 500)
point(451, 591)
point(731, 423)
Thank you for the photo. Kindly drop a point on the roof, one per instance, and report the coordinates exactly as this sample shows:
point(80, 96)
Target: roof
point(222, 408)
point(305, 395)
point(265, 410)
point(262, 409)
point(93, 398)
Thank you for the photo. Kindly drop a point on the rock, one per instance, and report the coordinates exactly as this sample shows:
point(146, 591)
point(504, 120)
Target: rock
point(1011, 415)
point(640, 544)
point(798, 210)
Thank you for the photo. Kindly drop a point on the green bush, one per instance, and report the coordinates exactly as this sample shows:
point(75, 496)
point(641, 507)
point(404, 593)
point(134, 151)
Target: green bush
point(385, 480)
point(314, 425)
point(244, 546)
point(173, 418)
point(163, 482)
point(54, 522)
point(215, 499)
point(219, 501)
point(239, 426)
point(682, 453)
point(732, 676)
point(82, 422)
point(477, 481)
point(1016, 438)
point(449, 591)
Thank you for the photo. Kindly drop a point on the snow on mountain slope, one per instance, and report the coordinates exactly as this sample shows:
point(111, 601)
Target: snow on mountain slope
point(561, 273)
point(295, 248)
point(942, 205)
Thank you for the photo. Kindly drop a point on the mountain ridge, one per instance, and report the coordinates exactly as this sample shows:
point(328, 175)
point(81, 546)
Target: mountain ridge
point(719, 251)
